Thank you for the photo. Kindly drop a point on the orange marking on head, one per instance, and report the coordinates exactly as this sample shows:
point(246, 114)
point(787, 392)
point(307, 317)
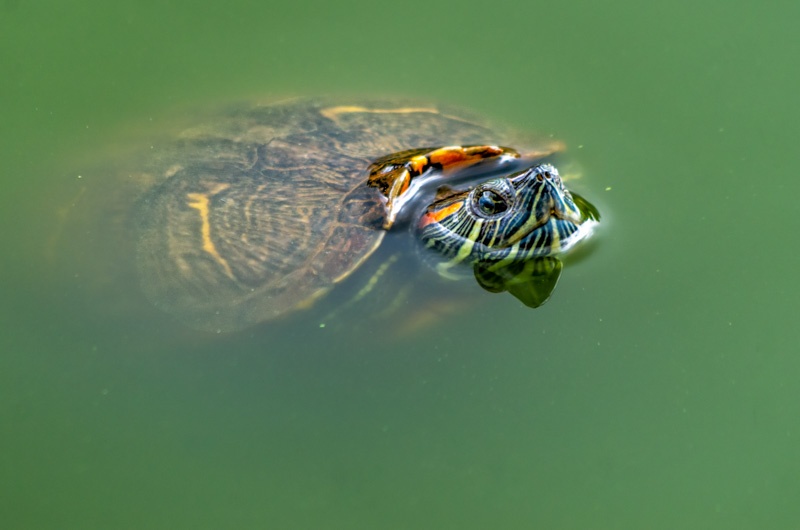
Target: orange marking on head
point(436, 216)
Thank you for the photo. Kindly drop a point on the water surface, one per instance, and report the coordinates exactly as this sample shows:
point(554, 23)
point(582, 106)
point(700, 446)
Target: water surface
point(657, 389)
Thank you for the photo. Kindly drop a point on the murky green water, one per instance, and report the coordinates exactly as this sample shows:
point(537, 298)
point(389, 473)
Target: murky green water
point(657, 389)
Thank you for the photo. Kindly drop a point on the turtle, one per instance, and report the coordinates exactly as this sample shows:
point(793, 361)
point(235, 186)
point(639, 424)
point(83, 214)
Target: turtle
point(262, 211)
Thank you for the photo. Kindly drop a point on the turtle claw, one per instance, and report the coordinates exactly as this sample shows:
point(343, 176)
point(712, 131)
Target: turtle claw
point(394, 175)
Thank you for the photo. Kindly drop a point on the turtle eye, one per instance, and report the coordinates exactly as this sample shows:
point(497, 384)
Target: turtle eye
point(490, 203)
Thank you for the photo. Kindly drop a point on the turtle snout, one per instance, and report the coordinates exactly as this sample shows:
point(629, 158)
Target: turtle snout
point(546, 173)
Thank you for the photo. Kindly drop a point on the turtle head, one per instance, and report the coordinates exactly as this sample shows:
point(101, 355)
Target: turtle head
point(512, 219)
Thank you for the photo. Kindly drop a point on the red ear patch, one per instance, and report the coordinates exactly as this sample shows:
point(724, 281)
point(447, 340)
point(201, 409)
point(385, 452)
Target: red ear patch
point(437, 215)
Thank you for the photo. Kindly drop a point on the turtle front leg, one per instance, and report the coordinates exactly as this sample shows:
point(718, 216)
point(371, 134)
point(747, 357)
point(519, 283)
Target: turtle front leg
point(394, 174)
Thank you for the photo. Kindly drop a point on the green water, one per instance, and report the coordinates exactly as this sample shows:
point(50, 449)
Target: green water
point(657, 389)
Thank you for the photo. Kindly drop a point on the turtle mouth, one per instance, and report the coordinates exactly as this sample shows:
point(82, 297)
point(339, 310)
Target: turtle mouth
point(562, 209)
point(551, 199)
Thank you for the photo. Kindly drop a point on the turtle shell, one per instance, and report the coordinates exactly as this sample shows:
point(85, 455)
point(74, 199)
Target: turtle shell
point(264, 209)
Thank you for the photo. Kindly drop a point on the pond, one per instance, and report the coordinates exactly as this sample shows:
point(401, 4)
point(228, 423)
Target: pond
point(657, 388)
